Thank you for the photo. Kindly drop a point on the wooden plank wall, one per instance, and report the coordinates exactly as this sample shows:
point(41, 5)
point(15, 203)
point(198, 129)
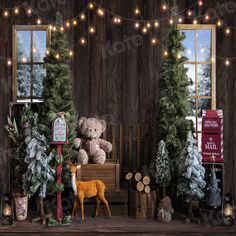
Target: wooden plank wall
point(116, 75)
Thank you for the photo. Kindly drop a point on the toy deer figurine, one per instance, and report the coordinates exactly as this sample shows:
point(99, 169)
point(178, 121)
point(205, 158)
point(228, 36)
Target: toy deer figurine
point(88, 189)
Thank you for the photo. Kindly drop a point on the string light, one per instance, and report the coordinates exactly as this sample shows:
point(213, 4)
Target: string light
point(71, 53)
point(50, 27)
point(29, 11)
point(179, 56)
point(144, 30)
point(6, 13)
point(164, 7)
point(39, 21)
point(23, 59)
point(16, 10)
point(68, 24)
point(227, 62)
point(91, 30)
point(9, 63)
point(57, 56)
point(137, 11)
point(189, 13)
point(91, 6)
point(228, 31)
point(47, 52)
point(219, 23)
point(82, 16)
point(180, 20)
point(195, 21)
point(148, 25)
point(82, 41)
point(165, 53)
point(200, 3)
point(156, 24)
point(116, 20)
point(207, 17)
point(100, 12)
point(62, 29)
point(136, 25)
point(154, 41)
point(75, 22)
point(171, 21)
point(34, 50)
point(54, 28)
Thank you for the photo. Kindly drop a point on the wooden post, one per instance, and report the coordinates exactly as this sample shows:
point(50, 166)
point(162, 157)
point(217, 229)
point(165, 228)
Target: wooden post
point(130, 146)
point(139, 147)
point(121, 147)
point(113, 142)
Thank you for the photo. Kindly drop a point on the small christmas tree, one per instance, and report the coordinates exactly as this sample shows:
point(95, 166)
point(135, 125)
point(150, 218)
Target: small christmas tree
point(191, 173)
point(159, 167)
point(214, 197)
point(173, 103)
point(39, 172)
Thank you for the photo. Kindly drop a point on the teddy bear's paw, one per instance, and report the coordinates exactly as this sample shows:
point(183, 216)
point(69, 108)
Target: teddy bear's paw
point(99, 157)
point(82, 157)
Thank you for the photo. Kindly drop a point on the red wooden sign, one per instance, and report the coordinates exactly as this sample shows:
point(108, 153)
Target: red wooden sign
point(212, 135)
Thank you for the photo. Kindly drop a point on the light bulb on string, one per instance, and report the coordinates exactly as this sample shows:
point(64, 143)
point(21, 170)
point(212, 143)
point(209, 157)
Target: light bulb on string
point(164, 7)
point(57, 56)
point(207, 17)
point(165, 53)
point(227, 62)
point(90, 6)
point(67, 24)
point(156, 24)
point(179, 56)
point(54, 28)
point(148, 25)
point(75, 22)
point(82, 17)
point(50, 27)
point(16, 10)
point(136, 25)
point(189, 13)
point(219, 23)
point(116, 20)
point(100, 12)
point(29, 11)
point(171, 21)
point(47, 52)
point(71, 53)
point(9, 62)
point(195, 21)
point(153, 41)
point(23, 59)
point(92, 30)
point(137, 11)
point(39, 21)
point(6, 13)
point(62, 29)
point(180, 19)
point(227, 31)
point(144, 30)
point(82, 41)
point(200, 3)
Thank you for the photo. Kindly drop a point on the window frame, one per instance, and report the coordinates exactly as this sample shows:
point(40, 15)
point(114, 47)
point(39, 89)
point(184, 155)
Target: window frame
point(14, 49)
point(212, 62)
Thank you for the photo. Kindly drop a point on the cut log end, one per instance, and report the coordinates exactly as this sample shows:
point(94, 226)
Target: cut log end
point(140, 186)
point(129, 176)
point(146, 180)
point(138, 176)
point(147, 189)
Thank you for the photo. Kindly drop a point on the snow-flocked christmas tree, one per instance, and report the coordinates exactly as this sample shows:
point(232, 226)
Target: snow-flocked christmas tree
point(160, 168)
point(39, 171)
point(191, 173)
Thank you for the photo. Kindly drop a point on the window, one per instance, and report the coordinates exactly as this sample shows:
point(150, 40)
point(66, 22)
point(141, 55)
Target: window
point(29, 47)
point(200, 50)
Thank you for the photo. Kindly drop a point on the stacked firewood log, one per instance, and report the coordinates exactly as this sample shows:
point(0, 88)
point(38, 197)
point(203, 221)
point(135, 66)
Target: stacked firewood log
point(139, 181)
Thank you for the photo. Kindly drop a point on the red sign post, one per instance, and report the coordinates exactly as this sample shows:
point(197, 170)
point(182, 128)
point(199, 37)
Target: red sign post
point(60, 137)
point(212, 135)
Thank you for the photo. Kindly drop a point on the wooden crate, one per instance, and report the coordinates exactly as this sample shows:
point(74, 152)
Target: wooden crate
point(142, 205)
point(109, 173)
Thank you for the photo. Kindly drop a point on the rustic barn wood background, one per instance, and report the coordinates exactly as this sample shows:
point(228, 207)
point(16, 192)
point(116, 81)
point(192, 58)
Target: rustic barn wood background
point(116, 75)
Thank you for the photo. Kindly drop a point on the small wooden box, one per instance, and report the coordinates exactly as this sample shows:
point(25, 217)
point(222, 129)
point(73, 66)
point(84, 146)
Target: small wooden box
point(109, 173)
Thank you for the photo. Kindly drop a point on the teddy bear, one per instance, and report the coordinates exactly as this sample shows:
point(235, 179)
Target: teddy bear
point(91, 148)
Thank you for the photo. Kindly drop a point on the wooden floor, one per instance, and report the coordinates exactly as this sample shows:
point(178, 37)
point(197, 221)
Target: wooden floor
point(118, 226)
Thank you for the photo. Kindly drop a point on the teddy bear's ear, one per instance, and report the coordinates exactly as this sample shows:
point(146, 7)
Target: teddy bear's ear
point(103, 123)
point(81, 121)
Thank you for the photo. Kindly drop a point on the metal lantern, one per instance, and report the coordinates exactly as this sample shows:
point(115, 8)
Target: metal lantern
point(6, 210)
point(228, 210)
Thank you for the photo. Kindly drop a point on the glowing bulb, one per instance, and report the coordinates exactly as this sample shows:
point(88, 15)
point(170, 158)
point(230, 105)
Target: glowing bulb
point(219, 23)
point(137, 11)
point(180, 20)
point(200, 3)
point(100, 12)
point(116, 20)
point(57, 56)
point(154, 41)
point(148, 25)
point(228, 31)
point(189, 13)
point(207, 17)
point(92, 30)
point(156, 24)
point(82, 41)
point(34, 50)
point(165, 53)
point(144, 30)
point(29, 12)
point(39, 21)
point(189, 52)
point(227, 62)
point(202, 50)
point(82, 17)
point(54, 28)
point(171, 21)
point(47, 52)
point(75, 22)
point(16, 10)
point(136, 25)
point(91, 6)
point(179, 56)
point(50, 27)
point(67, 24)
point(71, 53)
point(24, 59)
point(194, 21)
point(62, 29)
point(9, 63)
point(6, 13)
point(164, 7)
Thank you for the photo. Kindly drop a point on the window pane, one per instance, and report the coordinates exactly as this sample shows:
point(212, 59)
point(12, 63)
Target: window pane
point(38, 75)
point(39, 45)
point(204, 80)
point(203, 45)
point(23, 80)
point(192, 116)
point(192, 79)
point(202, 104)
point(23, 46)
point(189, 44)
